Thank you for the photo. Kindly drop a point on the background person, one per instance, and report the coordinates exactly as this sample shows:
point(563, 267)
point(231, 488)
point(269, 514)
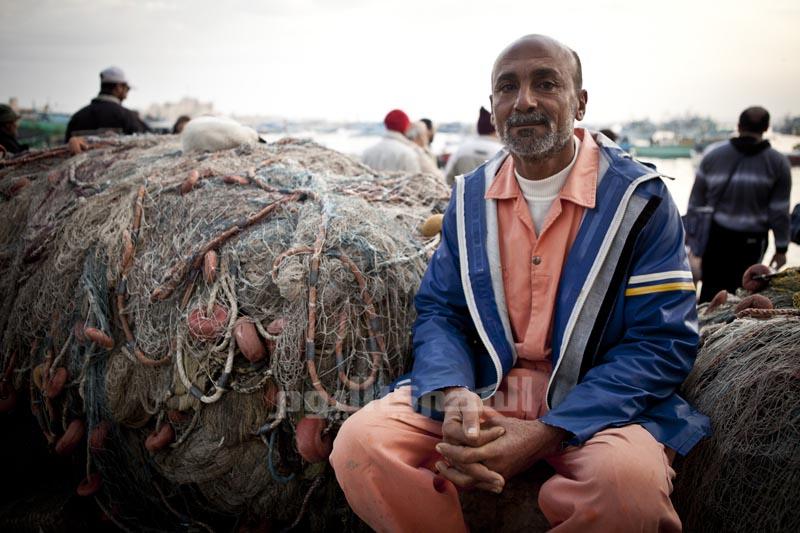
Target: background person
point(395, 151)
point(749, 184)
point(419, 134)
point(474, 151)
point(105, 112)
point(177, 128)
point(9, 122)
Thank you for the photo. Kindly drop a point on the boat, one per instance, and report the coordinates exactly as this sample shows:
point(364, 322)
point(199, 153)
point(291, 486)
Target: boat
point(661, 151)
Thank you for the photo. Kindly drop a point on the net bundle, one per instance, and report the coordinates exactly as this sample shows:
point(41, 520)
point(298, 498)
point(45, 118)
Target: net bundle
point(746, 378)
point(198, 325)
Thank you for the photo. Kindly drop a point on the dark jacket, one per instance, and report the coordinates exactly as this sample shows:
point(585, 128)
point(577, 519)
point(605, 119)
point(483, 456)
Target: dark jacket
point(104, 113)
point(756, 198)
point(11, 144)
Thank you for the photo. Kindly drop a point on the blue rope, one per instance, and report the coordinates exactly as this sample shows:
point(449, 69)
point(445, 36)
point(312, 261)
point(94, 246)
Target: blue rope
point(271, 467)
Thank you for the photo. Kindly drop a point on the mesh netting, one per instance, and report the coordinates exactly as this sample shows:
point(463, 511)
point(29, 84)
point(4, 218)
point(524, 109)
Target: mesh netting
point(745, 477)
point(204, 305)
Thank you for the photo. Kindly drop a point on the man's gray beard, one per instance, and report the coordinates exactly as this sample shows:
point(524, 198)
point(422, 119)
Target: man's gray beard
point(537, 147)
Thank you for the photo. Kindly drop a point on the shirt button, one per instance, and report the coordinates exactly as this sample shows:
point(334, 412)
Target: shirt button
point(536, 260)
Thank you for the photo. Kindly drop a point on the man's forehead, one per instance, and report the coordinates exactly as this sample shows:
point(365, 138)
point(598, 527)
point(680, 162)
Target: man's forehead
point(532, 51)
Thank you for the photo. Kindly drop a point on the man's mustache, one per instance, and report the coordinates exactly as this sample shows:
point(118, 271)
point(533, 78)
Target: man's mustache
point(528, 119)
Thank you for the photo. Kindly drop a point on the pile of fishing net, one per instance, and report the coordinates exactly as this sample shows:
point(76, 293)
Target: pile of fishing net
point(198, 325)
point(746, 378)
point(762, 291)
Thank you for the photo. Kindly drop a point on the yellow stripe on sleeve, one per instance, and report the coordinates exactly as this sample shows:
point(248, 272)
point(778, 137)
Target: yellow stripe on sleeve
point(663, 287)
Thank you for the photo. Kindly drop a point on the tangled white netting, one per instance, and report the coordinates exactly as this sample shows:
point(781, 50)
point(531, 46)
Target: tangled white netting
point(226, 287)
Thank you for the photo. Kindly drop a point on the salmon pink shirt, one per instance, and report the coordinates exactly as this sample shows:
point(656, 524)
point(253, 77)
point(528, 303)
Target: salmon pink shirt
point(532, 263)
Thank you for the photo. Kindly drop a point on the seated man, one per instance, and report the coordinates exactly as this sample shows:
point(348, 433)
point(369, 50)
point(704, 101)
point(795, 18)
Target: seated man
point(555, 322)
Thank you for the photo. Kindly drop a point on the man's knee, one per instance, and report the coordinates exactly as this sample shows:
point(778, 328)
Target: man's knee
point(632, 487)
point(348, 447)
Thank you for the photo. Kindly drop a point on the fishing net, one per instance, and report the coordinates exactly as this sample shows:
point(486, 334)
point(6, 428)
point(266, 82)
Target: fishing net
point(780, 291)
point(745, 477)
point(187, 312)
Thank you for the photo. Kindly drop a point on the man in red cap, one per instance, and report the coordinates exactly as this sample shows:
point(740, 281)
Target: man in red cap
point(395, 152)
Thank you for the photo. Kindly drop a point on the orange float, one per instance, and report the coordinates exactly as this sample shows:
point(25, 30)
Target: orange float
point(275, 328)
point(751, 279)
point(207, 327)
point(248, 341)
point(90, 485)
point(719, 299)
point(235, 180)
point(98, 337)
point(98, 436)
point(55, 385)
point(71, 438)
point(313, 446)
point(432, 225)
point(159, 438)
point(189, 183)
point(754, 301)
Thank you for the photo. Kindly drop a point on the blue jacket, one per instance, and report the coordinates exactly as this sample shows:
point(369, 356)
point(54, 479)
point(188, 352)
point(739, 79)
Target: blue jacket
point(625, 325)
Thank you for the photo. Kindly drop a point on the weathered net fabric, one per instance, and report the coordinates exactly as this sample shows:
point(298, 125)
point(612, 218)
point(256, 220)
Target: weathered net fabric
point(782, 290)
point(745, 477)
point(163, 252)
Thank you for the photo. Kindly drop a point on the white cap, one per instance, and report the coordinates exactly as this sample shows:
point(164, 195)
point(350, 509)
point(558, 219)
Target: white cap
point(113, 75)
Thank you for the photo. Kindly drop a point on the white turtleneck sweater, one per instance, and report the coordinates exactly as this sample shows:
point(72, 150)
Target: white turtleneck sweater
point(540, 194)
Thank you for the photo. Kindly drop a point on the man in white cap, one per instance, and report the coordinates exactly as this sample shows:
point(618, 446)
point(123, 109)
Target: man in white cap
point(105, 113)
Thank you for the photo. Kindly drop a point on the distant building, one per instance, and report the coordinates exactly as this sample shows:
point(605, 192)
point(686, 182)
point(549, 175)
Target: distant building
point(170, 111)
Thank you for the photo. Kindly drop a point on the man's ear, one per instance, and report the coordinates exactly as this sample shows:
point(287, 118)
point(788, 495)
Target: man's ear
point(491, 113)
point(583, 98)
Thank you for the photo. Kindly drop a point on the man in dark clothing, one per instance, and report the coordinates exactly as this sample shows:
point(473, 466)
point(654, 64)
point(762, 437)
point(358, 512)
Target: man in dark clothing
point(8, 131)
point(105, 113)
point(748, 183)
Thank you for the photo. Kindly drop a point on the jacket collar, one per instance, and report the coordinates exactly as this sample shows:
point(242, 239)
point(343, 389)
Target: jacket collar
point(108, 98)
point(580, 187)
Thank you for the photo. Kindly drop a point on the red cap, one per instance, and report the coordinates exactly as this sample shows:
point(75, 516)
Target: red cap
point(397, 121)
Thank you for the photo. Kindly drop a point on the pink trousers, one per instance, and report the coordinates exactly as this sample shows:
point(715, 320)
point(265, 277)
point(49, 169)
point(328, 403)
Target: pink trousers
point(383, 456)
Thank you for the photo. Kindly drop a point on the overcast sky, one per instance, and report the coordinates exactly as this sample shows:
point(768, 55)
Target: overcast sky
point(356, 59)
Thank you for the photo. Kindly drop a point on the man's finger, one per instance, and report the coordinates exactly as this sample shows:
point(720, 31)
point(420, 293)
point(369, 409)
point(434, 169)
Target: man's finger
point(473, 475)
point(487, 435)
point(493, 417)
point(489, 487)
point(459, 479)
point(482, 474)
point(460, 454)
point(453, 433)
point(471, 410)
